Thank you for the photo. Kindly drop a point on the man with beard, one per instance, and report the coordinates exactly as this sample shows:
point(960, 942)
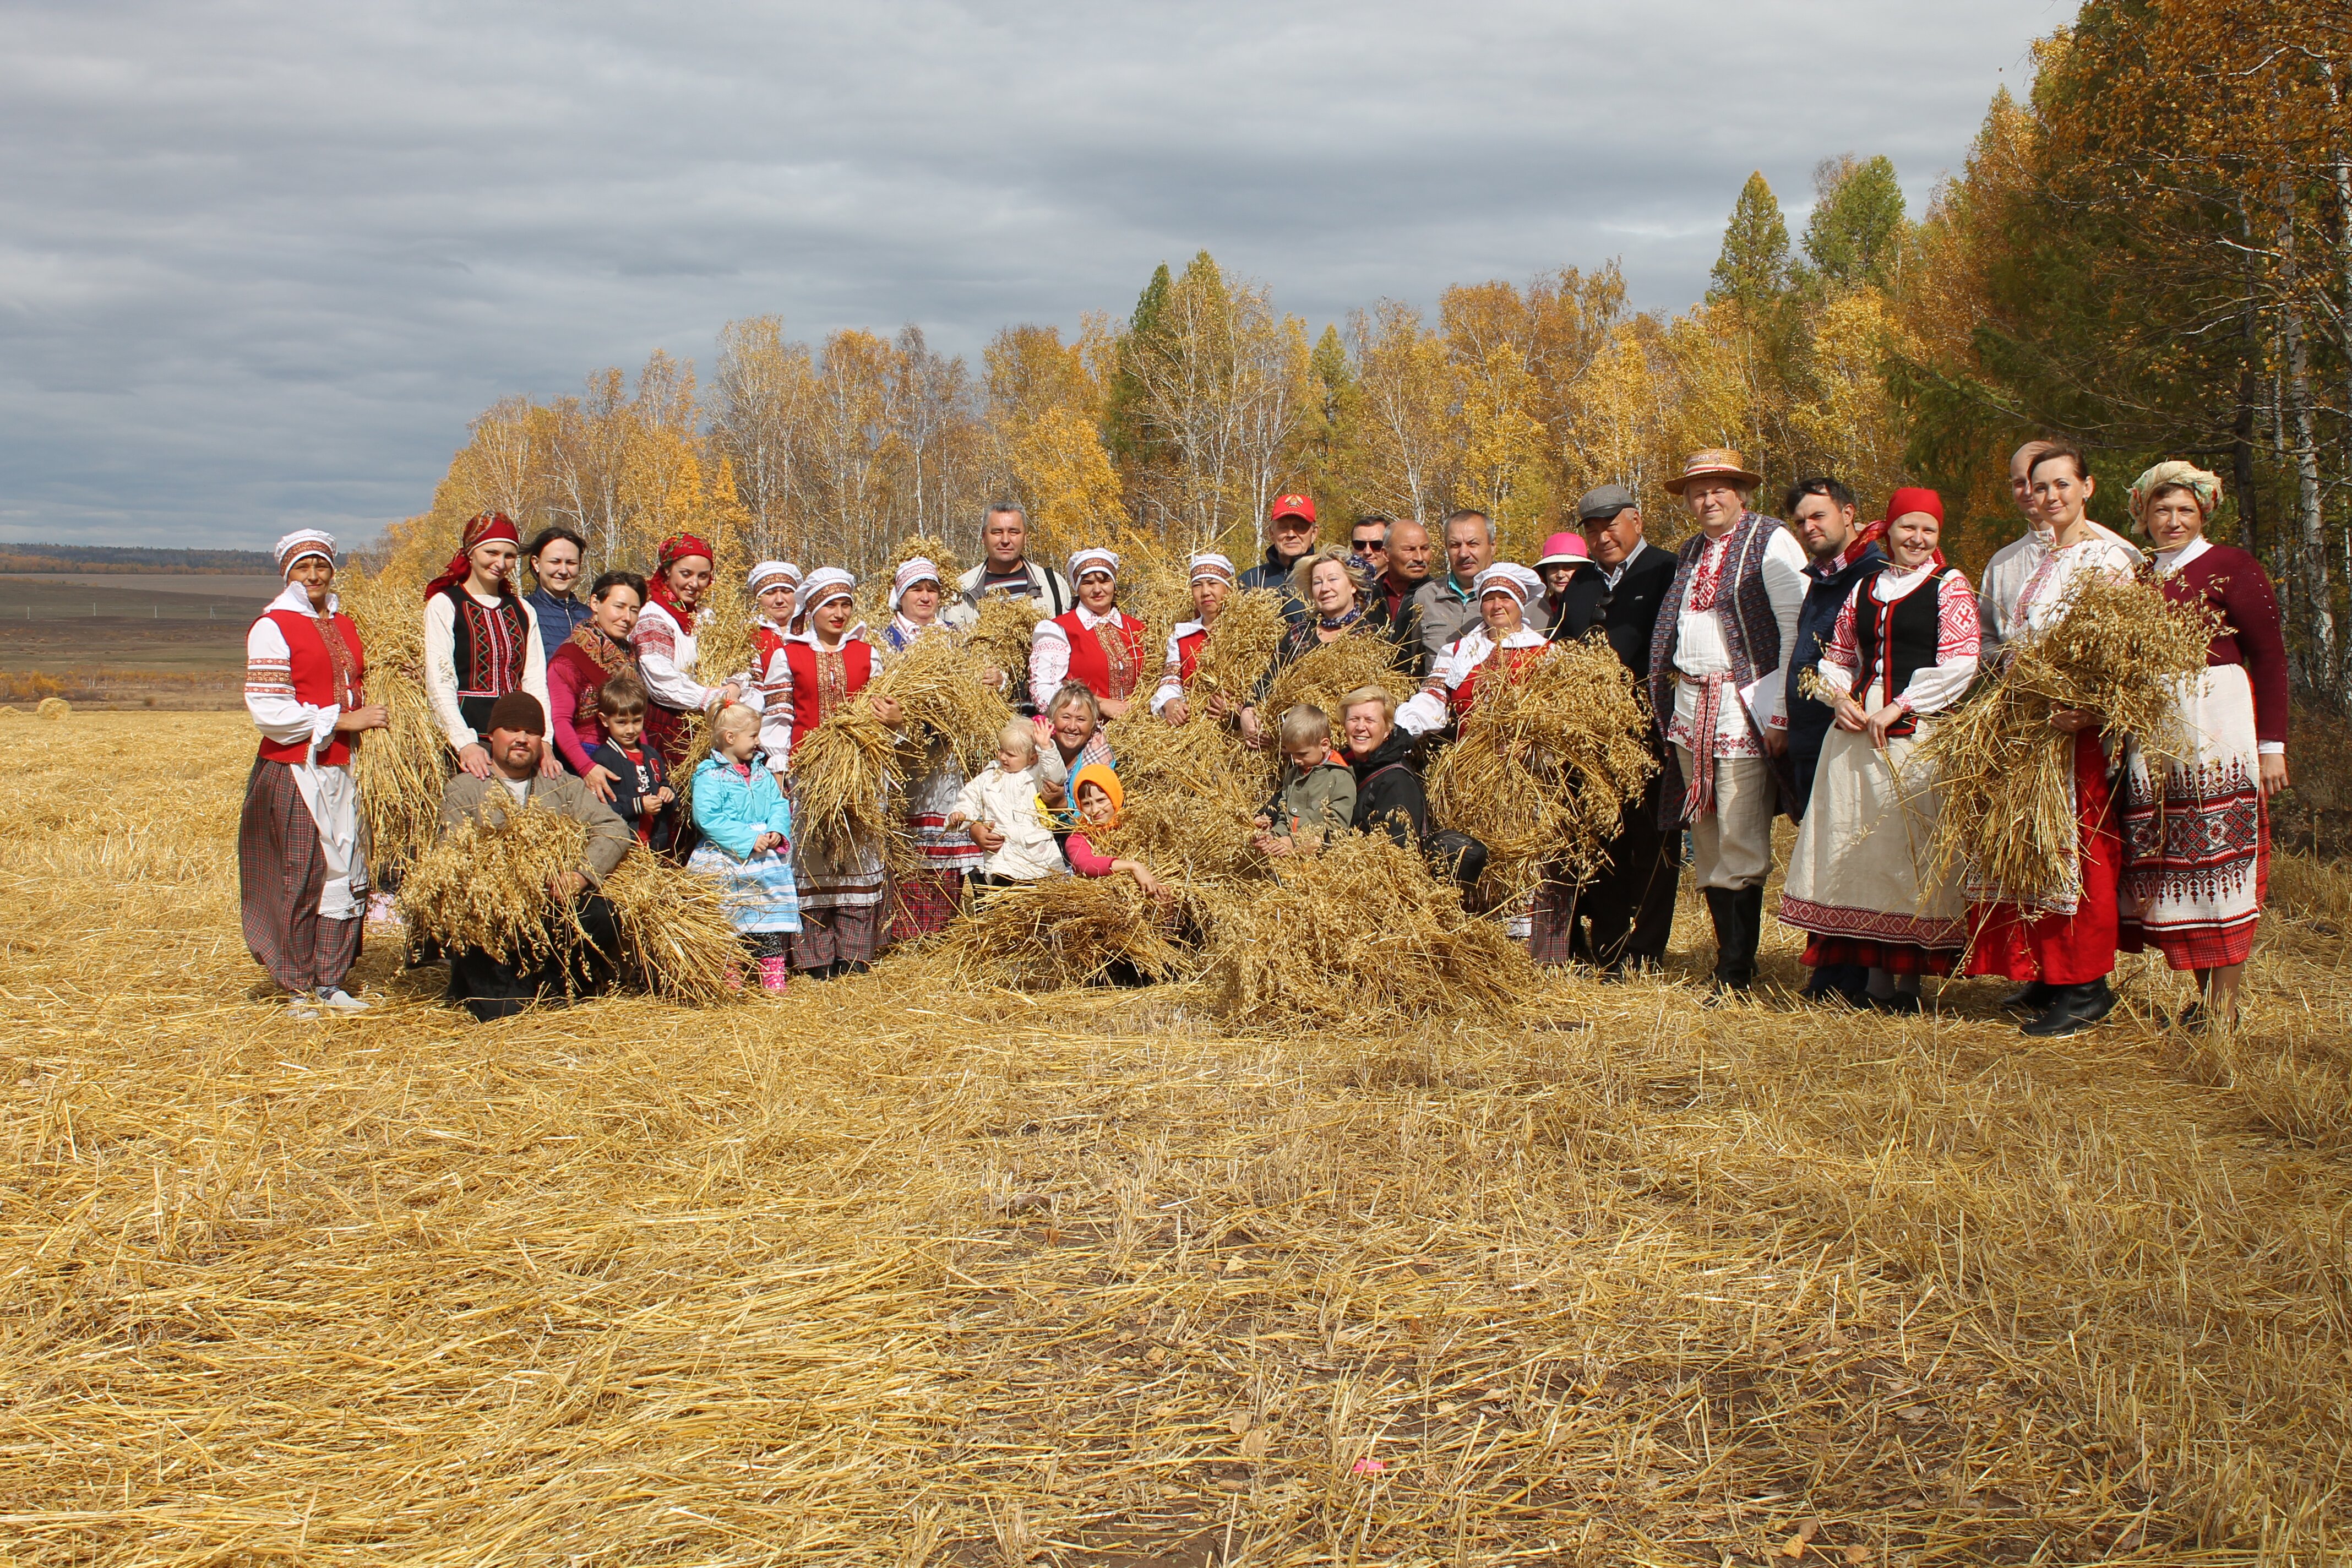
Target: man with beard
point(1821, 512)
point(566, 965)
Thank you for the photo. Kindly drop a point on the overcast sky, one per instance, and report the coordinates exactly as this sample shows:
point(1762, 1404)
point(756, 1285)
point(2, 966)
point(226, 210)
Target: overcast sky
point(260, 262)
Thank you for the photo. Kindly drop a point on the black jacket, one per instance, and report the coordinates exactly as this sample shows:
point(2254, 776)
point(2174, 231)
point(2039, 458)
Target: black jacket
point(1579, 609)
point(1300, 640)
point(632, 784)
point(1273, 571)
point(1390, 796)
point(1808, 721)
point(1632, 611)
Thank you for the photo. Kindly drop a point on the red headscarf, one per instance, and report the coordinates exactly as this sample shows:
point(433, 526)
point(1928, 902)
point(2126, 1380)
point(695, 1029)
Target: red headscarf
point(1909, 499)
point(488, 526)
point(675, 549)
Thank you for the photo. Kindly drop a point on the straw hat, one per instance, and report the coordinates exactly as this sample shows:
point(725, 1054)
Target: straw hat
point(1721, 460)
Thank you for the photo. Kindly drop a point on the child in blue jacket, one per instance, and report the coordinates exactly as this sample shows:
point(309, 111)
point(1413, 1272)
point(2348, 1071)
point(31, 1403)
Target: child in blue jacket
point(747, 842)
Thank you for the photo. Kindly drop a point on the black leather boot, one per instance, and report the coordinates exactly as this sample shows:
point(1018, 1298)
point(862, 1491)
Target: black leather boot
point(1735, 952)
point(1750, 902)
point(2073, 1009)
point(2032, 998)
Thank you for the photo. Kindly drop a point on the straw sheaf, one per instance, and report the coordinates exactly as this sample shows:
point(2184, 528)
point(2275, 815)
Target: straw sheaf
point(2004, 777)
point(1321, 676)
point(842, 772)
point(1359, 934)
point(1544, 763)
point(401, 769)
point(939, 685)
point(912, 1269)
point(487, 885)
point(1192, 790)
point(1001, 634)
point(1066, 931)
point(1240, 642)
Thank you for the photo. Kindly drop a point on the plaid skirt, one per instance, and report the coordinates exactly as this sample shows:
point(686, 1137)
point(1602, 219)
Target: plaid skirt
point(759, 891)
point(281, 871)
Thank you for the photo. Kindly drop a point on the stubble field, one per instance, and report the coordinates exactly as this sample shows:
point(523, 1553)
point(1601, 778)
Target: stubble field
point(897, 1271)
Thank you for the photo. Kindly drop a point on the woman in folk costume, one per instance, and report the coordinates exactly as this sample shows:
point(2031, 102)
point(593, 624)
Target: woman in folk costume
point(665, 643)
point(825, 663)
point(776, 588)
point(2197, 837)
point(301, 856)
point(480, 641)
point(1096, 642)
point(1502, 640)
point(1212, 584)
point(1341, 598)
point(597, 650)
point(926, 901)
point(2064, 950)
point(1903, 650)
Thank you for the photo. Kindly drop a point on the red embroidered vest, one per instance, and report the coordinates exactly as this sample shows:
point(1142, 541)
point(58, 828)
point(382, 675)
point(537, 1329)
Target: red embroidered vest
point(824, 681)
point(324, 677)
point(1107, 664)
point(1465, 697)
point(1188, 654)
point(766, 643)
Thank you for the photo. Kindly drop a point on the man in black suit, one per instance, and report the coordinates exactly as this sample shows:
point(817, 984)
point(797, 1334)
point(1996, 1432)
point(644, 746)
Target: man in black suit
point(1631, 906)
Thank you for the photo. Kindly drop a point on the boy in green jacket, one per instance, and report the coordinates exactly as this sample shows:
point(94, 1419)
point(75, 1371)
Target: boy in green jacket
point(1318, 797)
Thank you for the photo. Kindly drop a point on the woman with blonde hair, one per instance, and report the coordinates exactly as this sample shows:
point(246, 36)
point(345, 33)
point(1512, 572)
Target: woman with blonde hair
point(1341, 599)
point(2197, 833)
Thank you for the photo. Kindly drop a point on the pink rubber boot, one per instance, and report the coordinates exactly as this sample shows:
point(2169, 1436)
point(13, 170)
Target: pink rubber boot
point(775, 975)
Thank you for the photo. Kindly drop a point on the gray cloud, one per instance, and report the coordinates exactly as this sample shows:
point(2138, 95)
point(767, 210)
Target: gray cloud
point(260, 262)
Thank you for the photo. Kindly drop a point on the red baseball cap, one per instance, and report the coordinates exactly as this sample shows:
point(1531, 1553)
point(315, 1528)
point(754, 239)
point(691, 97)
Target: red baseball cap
point(1292, 506)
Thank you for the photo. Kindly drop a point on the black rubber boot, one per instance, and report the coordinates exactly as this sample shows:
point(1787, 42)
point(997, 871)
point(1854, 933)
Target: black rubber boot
point(2073, 1009)
point(1735, 949)
point(1750, 901)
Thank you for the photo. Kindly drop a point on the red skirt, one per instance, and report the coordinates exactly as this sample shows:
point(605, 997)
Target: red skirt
point(2026, 944)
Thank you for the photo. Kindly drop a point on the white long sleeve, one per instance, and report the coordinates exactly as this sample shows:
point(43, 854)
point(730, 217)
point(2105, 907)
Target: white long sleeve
point(277, 713)
point(666, 659)
point(776, 712)
point(1784, 569)
point(1049, 662)
point(441, 667)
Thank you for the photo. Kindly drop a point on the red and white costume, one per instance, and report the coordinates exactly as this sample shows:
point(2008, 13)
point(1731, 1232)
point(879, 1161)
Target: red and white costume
point(1855, 878)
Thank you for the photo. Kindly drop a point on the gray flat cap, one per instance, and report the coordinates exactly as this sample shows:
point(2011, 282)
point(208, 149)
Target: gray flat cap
point(1603, 502)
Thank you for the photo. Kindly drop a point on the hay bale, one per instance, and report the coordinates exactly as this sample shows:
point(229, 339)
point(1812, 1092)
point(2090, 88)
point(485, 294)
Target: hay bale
point(486, 885)
point(1065, 932)
point(2006, 778)
point(1543, 766)
point(1321, 676)
point(1359, 933)
point(55, 708)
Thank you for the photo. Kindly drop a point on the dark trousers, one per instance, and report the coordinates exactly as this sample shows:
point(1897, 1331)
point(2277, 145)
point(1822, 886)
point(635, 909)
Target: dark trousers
point(1627, 913)
point(491, 987)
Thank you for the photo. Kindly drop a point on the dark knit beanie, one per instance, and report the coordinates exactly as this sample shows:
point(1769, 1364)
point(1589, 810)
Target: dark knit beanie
point(519, 710)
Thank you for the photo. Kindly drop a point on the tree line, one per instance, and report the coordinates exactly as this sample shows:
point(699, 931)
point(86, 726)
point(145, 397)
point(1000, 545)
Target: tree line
point(2152, 253)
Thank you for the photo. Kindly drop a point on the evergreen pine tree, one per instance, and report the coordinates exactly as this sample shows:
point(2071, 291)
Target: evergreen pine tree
point(1854, 235)
point(1753, 268)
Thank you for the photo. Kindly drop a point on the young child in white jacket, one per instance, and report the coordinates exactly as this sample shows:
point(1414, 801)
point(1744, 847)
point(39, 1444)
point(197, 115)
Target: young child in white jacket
point(1002, 803)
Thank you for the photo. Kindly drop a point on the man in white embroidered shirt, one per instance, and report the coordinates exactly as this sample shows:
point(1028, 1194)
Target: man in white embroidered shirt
point(1719, 675)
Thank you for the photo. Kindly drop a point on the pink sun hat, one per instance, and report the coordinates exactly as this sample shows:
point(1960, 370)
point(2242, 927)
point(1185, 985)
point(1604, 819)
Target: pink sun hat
point(1563, 550)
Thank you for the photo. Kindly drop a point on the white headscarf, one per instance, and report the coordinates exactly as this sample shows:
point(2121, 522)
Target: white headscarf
point(824, 584)
point(1093, 558)
point(1520, 582)
point(917, 569)
point(303, 542)
point(770, 572)
point(1209, 563)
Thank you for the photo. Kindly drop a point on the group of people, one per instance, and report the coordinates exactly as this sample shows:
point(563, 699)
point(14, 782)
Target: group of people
point(1790, 666)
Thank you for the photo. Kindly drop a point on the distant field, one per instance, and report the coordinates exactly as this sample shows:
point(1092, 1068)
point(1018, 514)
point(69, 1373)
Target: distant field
point(161, 640)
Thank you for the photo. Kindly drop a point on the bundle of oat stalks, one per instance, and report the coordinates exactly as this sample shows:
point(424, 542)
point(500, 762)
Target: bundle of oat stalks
point(842, 772)
point(1359, 933)
point(1321, 676)
point(999, 639)
point(399, 770)
point(1544, 763)
point(1067, 931)
point(2006, 779)
point(1239, 646)
point(487, 885)
point(942, 689)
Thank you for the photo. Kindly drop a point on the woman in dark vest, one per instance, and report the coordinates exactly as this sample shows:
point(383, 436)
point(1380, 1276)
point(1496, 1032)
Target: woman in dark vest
point(301, 856)
point(1903, 649)
point(1096, 643)
point(481, 641)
